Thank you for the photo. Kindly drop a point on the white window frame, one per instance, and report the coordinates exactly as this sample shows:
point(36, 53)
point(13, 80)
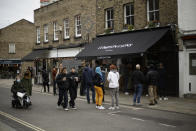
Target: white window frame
point(38, 35)
point(12, 49)
point(131, 15)
point(55, 35)
point(46, 33)
point(66, 29)
point(78, 26)
point(111, 20)
point(150, 11)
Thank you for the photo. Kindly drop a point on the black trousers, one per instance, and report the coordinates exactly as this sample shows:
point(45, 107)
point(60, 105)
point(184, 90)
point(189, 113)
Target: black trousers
point(73, 96)
point(46, 84)
point(54, 87)
point(63, 96)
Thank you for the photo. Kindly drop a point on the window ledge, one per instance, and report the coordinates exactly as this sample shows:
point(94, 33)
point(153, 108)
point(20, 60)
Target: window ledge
point(55, 40)
point(46, 42)
point(66, 39)
point(78, 37)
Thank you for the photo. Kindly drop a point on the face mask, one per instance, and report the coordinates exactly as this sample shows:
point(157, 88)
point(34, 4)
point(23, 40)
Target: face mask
point(18, 80)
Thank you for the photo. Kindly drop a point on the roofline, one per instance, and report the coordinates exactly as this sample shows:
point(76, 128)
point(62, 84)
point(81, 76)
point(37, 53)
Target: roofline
point(47, 5)
point(147, 29)
point(17, 22)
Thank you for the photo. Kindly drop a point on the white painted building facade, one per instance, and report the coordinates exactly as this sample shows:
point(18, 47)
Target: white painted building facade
point(187, 44)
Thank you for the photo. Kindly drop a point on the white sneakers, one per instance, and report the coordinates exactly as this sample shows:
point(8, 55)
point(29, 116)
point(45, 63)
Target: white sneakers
point(163, 98)
point(100, 107)
point(111, 108)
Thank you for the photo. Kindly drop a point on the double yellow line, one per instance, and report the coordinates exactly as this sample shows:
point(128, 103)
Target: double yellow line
point(21, 121)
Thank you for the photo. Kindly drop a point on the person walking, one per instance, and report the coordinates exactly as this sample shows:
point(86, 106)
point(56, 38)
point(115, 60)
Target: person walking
point(45, 77)
point(54, 72)
point(73, 87)
point(138, 80)
point(162, 82)
point(88, 82)
point(63, 85)
point(98, 85)
point(113, 78)
point(152, 79)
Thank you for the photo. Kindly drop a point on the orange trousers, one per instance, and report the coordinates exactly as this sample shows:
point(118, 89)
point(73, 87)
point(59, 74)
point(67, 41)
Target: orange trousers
point(99, 95)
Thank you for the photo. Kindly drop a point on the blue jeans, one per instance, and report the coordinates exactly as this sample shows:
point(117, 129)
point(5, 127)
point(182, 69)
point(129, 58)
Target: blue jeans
point(137, 93)
point(87, 93)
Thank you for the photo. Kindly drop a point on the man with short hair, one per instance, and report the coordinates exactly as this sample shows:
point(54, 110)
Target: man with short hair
point(138, 80)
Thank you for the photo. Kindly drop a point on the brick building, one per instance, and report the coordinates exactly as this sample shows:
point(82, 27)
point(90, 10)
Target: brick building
point(131, 32)
point(16, 41)
point(62, 28)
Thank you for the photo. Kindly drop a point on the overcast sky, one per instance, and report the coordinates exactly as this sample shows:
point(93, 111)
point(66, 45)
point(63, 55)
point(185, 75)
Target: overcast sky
point(14, 10)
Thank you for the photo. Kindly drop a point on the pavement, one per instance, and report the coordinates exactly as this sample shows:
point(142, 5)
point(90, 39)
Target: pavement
point(173, 104)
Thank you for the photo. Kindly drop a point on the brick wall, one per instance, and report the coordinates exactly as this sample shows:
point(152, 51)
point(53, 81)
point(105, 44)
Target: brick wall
point(61, 10)
point(21, 34)
point(167, 10)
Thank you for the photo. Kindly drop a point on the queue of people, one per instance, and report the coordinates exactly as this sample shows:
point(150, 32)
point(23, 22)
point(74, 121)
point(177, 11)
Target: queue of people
point(93, 80)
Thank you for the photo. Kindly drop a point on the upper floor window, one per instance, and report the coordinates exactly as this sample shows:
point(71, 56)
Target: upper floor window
point(66, 28)
point(153, 10)
point(109, 18)
point(12, 49)
point(55, 31)
point(78, 26)
point(38, 34)
point(129, 14)
point(45, 33)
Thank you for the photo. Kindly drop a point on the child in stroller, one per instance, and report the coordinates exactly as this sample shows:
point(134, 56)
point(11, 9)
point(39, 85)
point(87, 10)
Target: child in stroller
point(20, 97)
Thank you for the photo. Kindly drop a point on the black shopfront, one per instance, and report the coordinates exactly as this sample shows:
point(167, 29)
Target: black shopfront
point(144, 47)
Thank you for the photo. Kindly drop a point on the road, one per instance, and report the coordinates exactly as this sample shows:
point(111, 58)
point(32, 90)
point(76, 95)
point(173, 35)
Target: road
point(43, 115)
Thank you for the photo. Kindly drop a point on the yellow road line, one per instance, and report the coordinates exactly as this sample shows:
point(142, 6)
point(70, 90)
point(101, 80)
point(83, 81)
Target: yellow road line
point(21, 121)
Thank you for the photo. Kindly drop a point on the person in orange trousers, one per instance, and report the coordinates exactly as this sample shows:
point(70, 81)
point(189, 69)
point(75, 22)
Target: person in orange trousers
point(98, 84)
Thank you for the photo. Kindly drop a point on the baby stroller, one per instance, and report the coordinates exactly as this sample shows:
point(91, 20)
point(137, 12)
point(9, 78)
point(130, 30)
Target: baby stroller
point(20, 98)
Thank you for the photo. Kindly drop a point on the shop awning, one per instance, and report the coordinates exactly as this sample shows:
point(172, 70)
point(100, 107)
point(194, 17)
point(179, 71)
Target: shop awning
point(36, 54)
point(123, 43)
point(11, 62)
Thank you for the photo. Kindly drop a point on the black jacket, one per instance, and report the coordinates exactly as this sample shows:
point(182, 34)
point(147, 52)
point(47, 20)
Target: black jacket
point(73, 82)
point(63, 84)
point(97, 80)
point(152, 77)
point(138, 77)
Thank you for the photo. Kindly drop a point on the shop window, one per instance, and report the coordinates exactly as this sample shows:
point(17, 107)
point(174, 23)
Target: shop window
point(45, 33)
point(38, 35)
point(12, 49)
point(192, 64)
point(109, 18)
point(66, 29)
point(78, 26)
point(129, 14)
point(153, 10)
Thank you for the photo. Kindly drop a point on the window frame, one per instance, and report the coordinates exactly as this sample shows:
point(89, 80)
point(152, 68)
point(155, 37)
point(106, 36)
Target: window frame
point(38, 37)
point(55, 35)
point(46, 33)
point(66, 29)
point(131, 15)
point(78, 27)
point(12, 48)
point(154, 10)
point(111, 19)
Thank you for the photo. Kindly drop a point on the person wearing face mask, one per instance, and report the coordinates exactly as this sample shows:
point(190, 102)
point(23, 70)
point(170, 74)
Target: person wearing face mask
point(17, 87)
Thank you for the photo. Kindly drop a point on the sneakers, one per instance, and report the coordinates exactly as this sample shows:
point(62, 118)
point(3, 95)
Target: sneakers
point(66, 109)
point(134, 104)
point(117, 107)
point(165, 98)
point(74, 108)
point(101, 108)
point(111, 108)
point(151, 104)
point(97, 107)
point(160, 99)
point(126, 93)
point(58, 107)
